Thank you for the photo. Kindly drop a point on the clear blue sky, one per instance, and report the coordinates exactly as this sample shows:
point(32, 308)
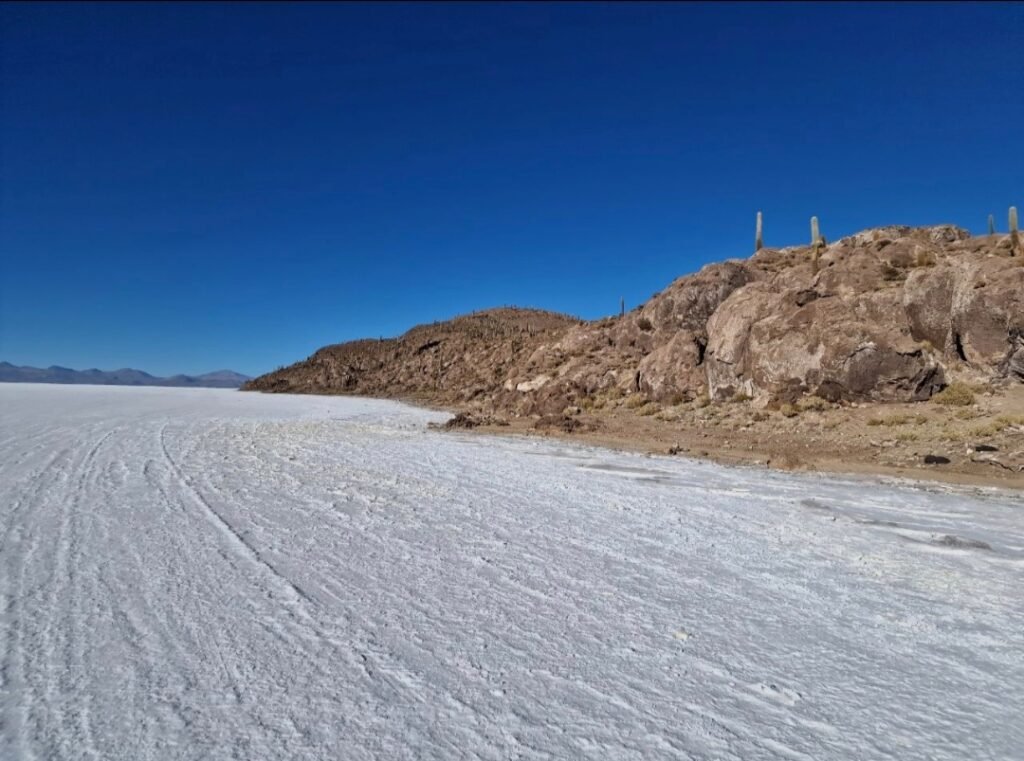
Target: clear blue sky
point(187, 187)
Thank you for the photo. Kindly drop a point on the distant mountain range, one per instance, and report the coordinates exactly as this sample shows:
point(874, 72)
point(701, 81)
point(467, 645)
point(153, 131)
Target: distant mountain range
point(124, 377)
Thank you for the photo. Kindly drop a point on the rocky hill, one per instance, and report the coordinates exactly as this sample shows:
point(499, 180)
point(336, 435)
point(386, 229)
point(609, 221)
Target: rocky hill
point(457, 361)
point(889, 314)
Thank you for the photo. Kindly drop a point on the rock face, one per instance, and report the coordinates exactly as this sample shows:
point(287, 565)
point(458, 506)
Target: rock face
point(888, 314)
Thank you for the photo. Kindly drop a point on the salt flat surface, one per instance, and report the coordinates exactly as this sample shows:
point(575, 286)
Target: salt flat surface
point(205, 574)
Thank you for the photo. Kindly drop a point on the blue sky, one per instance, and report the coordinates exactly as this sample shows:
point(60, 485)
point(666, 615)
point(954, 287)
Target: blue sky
point(194, 186)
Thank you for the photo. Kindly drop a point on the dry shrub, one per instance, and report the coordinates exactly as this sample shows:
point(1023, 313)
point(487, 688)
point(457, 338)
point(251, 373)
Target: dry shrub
point(812, 403)
point(984, 431)
point(787, 461)
point(956, 395)
point(898, 419)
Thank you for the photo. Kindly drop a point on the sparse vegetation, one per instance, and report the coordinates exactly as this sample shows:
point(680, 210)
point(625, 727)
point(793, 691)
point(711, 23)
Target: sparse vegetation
point(956, 395)
point(898, 419)
point(644, 324)
point(891, 274)
point(985, 431)
point(812, 404)
point(923, 257)
point(636, 401)
point(648, 409)
point(788, 410)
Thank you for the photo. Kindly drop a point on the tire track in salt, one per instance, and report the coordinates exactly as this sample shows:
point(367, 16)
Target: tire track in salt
point(293, 593)
point(312, 638)
point(45, 650)
point(14, 595)
point(73, 656)
point(168, 641)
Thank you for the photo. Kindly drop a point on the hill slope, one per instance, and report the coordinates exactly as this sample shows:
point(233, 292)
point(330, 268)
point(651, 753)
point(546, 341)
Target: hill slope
point(890, 314)
point(458, 360)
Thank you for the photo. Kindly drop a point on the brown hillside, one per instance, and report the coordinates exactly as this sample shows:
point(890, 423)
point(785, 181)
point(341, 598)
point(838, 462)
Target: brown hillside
point(892, 314)
point(444, 362)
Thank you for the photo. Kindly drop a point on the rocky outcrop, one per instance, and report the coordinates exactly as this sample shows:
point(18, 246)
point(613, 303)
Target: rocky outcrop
point(455, 361)
point(889, 314)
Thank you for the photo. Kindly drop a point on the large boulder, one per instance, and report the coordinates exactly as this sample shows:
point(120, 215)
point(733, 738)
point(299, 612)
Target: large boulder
point(987, 313)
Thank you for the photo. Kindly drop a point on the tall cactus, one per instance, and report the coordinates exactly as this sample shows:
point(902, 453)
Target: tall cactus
point(816, 245)
point(622, 306)
point(991, 225)
point(1014, 235)
point(758, 240)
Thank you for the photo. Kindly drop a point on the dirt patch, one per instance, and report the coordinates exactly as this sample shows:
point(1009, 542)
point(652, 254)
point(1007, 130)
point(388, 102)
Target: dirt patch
point(869, 438)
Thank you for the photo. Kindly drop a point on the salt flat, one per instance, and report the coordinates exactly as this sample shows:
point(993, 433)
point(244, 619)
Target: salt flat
point(206, 574)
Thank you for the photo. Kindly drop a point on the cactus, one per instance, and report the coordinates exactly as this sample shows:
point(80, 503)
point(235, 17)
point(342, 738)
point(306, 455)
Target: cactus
point(1014, 234)
point(991, 225)
point(622, 306)
point(758, 240)
point(817, 243)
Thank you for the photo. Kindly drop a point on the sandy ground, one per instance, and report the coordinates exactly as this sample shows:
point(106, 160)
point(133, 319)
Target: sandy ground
point(883, 439)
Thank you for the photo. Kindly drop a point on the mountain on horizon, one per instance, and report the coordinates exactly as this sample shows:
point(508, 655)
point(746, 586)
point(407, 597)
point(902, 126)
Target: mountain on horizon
point(125, 376)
